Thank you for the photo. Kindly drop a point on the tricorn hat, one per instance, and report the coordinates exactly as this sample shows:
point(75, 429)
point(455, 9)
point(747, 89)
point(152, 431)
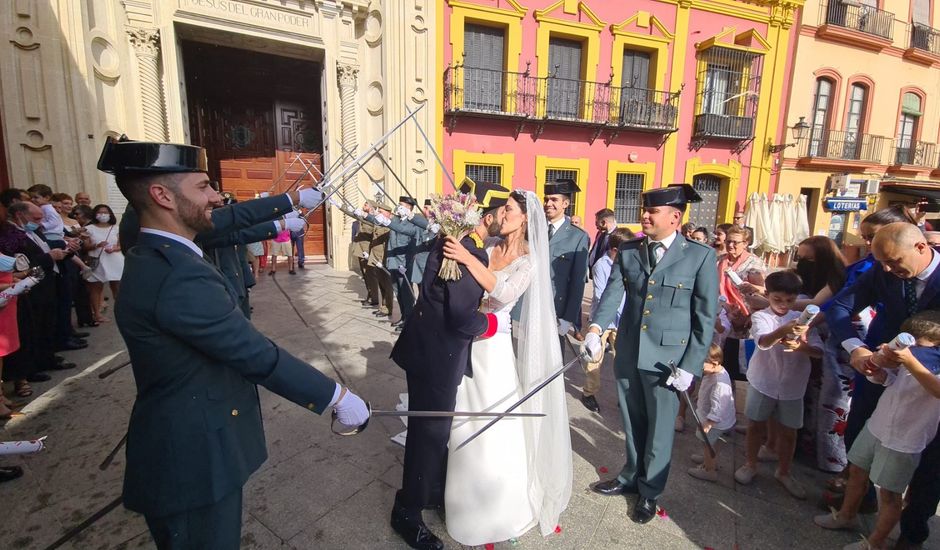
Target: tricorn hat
point(488, 195)
point(408, 200)
point(427, 202)
point(563, 186)
point(123, 155)
point(677, 195)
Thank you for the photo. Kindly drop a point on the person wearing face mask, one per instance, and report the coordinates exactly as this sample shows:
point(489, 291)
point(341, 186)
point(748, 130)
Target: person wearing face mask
point(104, 252)
point(36, 315)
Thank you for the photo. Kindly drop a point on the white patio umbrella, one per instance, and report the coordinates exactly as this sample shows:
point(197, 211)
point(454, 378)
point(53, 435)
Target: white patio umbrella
point(774, 240)
point(801, 220)
point(787, 222)
point(754, 220)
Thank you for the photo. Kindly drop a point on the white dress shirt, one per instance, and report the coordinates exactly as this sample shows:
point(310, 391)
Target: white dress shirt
point(776, 373)
point(173, 237)
point(557, 224)
point(715, 400)
point(906, 417)
point(666, 243)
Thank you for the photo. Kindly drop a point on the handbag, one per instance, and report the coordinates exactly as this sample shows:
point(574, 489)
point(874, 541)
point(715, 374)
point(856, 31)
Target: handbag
point(94, 261)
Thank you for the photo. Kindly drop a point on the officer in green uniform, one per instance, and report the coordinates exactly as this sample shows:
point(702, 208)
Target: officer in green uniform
point(195, 433)
point(671, 287)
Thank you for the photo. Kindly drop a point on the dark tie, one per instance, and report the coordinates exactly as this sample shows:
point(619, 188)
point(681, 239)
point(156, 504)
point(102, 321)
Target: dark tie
point(551, 231)
point(653, 247)
point(910, 296)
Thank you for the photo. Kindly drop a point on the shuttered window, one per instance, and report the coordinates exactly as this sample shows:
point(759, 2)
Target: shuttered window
point(564, 88)
point(483, 67)
point(705, 213)
point(485, 173)
point(552, 174)
point(627, 197)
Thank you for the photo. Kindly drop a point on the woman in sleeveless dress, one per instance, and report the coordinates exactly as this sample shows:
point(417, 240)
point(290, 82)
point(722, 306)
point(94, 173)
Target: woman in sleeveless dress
point(518, 473)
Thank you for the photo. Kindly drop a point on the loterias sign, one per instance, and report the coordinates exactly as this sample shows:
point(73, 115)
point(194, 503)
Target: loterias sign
point(845, 205)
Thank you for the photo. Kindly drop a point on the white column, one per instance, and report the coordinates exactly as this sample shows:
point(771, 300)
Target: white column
point(146, 44)
point(347, 76)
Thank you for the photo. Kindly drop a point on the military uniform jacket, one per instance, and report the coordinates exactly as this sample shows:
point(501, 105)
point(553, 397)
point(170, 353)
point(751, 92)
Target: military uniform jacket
point(195, 433)
point(423, 247)
point(400, 249)
point(568, 257)
point(226, 252)
point(670, 311)
point(435, 341)
point(378, 245)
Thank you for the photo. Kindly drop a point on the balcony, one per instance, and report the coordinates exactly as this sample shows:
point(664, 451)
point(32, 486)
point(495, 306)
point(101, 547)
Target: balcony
point(913, 157)
point(489, 93)
point(842, 150)
point(724, 126)
point(856, 25)
point(924, 46)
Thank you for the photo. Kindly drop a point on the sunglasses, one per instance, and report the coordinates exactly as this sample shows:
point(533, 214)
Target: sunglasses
point(734, 242)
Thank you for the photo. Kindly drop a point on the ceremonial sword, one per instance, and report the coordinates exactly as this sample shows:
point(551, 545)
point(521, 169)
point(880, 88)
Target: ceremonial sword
point(525, 398)
point(424, 414)
point(688, 402)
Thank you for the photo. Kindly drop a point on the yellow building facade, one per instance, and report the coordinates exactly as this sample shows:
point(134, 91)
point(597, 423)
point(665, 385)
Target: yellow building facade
point(866, 82)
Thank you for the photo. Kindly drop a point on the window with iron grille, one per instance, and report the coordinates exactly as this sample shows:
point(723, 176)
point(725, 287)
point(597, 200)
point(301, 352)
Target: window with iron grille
point(485, 173)
point(627, 197)
point(705, 213)
point(552, 174)
point(727, 102)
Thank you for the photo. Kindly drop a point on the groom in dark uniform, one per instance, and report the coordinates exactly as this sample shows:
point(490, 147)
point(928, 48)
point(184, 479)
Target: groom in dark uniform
point(434, 351)
point(195, 433)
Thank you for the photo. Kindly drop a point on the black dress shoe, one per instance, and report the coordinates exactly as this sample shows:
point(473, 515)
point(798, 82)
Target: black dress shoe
point(612, 487)
point(81, 334)
point(381, 314)
point(38, 377)
point(644, 511)
point(73, 344)
point(415, 533)
point(64, 366)
point(590, 403)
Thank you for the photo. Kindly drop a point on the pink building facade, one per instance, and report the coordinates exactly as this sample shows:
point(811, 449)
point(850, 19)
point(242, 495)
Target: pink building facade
point(619, 96)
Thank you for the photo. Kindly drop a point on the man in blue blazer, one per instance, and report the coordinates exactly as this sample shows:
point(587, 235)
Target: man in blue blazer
point(434, 352)
point(906, 280)
point(568, 255)
point(195, 433)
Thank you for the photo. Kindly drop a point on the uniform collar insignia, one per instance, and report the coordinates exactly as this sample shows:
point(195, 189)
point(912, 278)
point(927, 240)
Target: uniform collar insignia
point(477, 240)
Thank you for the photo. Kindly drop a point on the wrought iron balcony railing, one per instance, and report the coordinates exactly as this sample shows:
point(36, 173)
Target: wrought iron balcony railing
point(840, 145)
point(859, 17)
point(521, 95)
point(724, 126)
point(914, 153)
point(925, 38)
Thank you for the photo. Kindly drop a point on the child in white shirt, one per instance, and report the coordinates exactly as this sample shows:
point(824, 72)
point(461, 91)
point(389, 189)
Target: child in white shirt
point(777, 375)
point(887, 451)
point(715, 408)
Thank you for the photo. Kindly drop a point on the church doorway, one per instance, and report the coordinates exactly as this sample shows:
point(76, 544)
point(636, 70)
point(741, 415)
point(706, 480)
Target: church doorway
point(257, 114)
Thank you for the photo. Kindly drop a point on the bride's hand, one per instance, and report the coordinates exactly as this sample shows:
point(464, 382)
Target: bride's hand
point(456, 251)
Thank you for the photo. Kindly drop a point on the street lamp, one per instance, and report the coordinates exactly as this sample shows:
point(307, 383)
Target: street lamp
point(799, 131)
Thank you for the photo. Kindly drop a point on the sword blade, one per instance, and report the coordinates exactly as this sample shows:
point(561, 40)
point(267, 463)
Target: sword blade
point(449, 414)
point(525, 398)
point(691, 406)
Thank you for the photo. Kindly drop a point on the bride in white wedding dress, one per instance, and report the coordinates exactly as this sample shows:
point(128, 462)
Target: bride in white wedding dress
point(519, 472)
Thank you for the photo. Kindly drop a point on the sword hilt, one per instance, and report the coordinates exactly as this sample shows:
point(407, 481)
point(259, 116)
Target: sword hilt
point(356, 430)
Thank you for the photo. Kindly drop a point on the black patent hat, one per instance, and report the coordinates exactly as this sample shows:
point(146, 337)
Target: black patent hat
point(122, 156)
point(562, 187)
point(676, 195)
point(488, 195)
point(408, 200)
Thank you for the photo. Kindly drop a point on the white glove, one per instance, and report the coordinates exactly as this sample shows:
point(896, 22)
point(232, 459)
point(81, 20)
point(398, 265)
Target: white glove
point(403, 212)
point(333, 202)
point(292, 214)
point(382, 220)
point(434, 228)
point(365, 255)
point(503, 322)
point(591, 347)
point(310, 198)
point(263, 194)
point(680, 381)
point(564, 327)
point(294, 224)
point(359, 213)
point(351, 410)
point(402, 270)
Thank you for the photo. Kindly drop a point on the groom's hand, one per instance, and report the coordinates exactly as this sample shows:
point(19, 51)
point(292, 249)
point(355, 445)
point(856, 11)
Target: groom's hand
point(497, 322)
point(350, 409)
point(591, 347)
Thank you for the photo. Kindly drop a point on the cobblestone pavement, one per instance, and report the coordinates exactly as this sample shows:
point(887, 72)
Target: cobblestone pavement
point(321, 491)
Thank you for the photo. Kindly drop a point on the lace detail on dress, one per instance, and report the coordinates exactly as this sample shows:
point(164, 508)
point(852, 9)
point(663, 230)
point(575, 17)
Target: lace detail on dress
point(511, 282)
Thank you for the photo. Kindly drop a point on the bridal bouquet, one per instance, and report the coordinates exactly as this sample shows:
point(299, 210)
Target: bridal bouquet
point(457, 215)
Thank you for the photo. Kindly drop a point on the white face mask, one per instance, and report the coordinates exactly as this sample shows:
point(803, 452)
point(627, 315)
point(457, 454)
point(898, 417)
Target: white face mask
point(103, 218)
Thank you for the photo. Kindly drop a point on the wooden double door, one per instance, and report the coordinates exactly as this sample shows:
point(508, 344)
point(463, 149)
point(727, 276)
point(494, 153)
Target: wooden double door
point(259, 118)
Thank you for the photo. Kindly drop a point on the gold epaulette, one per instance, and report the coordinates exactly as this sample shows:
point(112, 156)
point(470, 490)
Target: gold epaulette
point(477, 240)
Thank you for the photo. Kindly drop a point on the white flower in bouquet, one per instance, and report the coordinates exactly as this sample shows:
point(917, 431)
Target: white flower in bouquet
point(457, 215)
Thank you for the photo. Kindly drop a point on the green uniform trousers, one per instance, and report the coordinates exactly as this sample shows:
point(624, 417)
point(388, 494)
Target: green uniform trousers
point(649, 412)
point(214, 527)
